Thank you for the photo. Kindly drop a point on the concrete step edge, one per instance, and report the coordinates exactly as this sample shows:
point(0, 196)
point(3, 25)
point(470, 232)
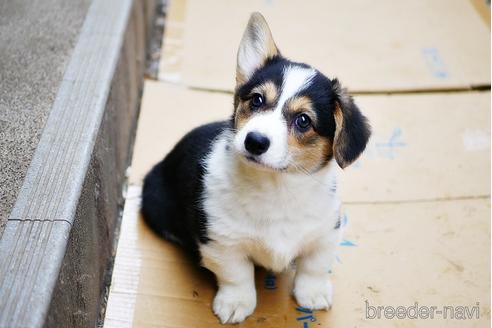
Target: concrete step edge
point(64, 169)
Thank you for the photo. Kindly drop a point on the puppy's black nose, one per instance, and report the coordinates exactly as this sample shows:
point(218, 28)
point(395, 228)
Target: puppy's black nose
point(256, 143)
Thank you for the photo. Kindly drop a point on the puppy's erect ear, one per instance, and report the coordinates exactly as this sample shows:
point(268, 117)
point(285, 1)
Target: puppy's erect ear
point(352, 128)
point(256, 47)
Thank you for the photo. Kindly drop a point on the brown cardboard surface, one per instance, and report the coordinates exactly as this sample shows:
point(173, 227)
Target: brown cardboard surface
point(168, 113)
point(432, 253)
point(423, 146)
point(172, 44)
point(369, 45)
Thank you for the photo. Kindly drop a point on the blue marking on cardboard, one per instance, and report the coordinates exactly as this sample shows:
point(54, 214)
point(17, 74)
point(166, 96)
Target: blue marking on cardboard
point(386, 147)
point(347, 242)
point(304, 310)
point(435, 63)
point(389, 148)
point(307, 318)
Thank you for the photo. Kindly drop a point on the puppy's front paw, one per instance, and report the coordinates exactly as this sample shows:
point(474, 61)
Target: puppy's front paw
point(234, 304)
point(313, 293)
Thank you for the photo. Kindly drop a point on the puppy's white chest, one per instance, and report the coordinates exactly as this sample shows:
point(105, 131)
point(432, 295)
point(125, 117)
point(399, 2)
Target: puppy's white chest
point(270, 217)
point(276, 245)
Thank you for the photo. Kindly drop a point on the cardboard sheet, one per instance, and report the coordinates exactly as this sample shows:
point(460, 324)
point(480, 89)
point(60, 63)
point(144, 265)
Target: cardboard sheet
point(433, 253)
point(423, 146)
point(371, 46)
point(417, 208)
point(168, 113)
point(172, 43)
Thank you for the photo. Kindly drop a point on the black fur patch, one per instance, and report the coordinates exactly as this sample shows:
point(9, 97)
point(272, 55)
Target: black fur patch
point(355, 131)
point(173, 189)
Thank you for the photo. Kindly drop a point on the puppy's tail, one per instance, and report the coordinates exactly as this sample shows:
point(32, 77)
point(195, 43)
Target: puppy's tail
point(158, 205)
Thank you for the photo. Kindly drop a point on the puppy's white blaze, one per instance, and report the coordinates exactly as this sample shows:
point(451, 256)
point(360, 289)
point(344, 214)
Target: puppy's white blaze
point(295, 80)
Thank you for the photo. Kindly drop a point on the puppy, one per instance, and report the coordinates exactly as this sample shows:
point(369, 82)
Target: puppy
point(261, 187)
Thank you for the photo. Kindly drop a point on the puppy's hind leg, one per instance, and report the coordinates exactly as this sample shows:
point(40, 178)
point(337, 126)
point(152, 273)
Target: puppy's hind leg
point(236, 297)
point(158, 204)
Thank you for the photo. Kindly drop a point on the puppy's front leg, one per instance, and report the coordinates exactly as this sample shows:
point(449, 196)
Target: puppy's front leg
point(236, 297)
point(312, 285)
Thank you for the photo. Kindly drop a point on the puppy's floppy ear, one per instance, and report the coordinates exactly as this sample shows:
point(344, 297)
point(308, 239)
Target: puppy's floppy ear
point(256, 47)
point(352, 128)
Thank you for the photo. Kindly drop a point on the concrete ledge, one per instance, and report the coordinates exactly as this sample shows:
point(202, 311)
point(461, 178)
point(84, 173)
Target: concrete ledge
point(58, 239)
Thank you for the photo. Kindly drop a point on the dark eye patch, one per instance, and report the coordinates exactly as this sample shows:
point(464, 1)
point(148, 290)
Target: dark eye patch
point(323, 104)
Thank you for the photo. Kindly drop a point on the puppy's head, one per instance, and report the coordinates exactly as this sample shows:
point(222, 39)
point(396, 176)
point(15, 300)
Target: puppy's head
point(287, 115)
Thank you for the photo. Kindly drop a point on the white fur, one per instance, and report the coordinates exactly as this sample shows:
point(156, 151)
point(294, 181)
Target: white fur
point(255, 47)
point(251, 56)
point(269, 218)
point(272, 123)
point(296, 79)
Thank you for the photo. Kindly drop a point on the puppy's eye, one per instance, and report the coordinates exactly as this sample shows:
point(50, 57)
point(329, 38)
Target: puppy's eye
point(256, 100)
point(303, 122)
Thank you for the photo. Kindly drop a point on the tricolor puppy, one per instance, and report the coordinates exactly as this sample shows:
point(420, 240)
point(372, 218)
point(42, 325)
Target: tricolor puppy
point(261, 187)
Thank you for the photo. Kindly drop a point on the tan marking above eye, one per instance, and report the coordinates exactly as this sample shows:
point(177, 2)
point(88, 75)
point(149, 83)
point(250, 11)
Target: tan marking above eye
point(298, 105)
point(299, 102)
point(268, 90)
